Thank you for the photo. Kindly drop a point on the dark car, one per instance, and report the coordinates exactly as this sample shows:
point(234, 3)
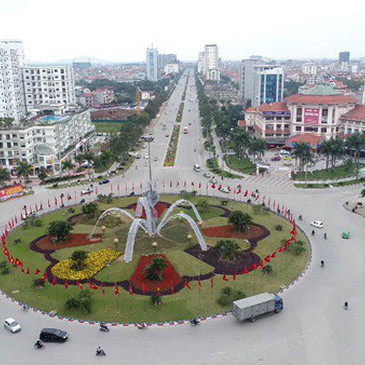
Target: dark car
point(276, 158)
point(53, 335)
point(105, 181)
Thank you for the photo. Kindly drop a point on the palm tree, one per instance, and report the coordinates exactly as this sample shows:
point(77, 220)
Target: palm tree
point(242, 142)
point(337, 149)
point(355, 143)
point(240, 221)
point(303, 153)
point(79, 257)
point(228, 249)
point(326, 150)
point(4, 176)
point(67, 165)
point(257, 148)
point(154, 270)
point(23, 170)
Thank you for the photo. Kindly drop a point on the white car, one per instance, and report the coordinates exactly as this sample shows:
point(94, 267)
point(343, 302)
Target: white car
point(87, 191)
point(12, 325)
point(317, 224)
point(146, 156)
point(224, 190)
point(213, 180)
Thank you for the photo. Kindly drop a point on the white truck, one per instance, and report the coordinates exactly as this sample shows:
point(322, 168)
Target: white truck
point(252, 307)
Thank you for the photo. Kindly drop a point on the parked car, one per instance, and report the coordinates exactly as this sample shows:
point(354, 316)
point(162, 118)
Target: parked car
point(346, 235)
point(317, 224)
point(276, 158)
point(53, 335)
point(213, 180)
point(146, 156)
point(224, 190)
point(138, 156)
point(207, 174)
point(87, 191)
point(167, 135)
point(103, 182)
point(12, 325)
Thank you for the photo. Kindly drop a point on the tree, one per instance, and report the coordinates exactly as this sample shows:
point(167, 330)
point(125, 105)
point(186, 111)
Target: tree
point(67, 165)
point(302, 152)
point(4, 176)
point(43, 174)
point(257, 148)
point(79, 257)
point(354, 144)
point(59, 230)
point(202, 205)
point(362, 193)
point(240, 221)
point(89, 210)
point(23, 170)
point(154, 270)
point(242, 141)
point(326, 150)
point(6, 122)
point(228, 249)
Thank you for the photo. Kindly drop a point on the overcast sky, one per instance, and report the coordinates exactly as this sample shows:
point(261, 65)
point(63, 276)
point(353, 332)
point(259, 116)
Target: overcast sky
point(118, 30)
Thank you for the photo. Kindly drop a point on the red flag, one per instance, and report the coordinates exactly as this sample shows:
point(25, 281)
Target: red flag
point(36, 272)
point(186, 285)
point(253, 267)
point(22, 270)
point(211, 282)
point(55, 200)
point(280, 249)
point(65, 284)
point(54, 281)
point(257, 197)
point(267, 258)
point(213, 186)
point(79, 284)
point(116, 290)
point(41, 206)
point(102, 288)
point(177, 184)
point(261, 264)
point(170, 184)
point(229, 188)
point(246, 193)
point(245, 271)
point(199, 285)
point(130, 289)
point(238, 191)
point(234, 277)
point(269, 201)
point(192, 183)
point(93, 286)
point(273, 255)
point(225, 278)
point(44, 277)
point(144, 288)
point(28, 271)
point(219, 187)
point(200, 185)
point(184, 184)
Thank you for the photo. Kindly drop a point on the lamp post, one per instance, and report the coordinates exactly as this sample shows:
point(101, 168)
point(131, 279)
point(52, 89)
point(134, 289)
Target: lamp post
point(154, 246)
point(149, 139)
point(189, 237)
point(103, 228)
point(116, 241)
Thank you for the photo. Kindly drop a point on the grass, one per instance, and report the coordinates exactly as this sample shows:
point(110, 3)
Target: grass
point(338, 172)
point(245, 166)
point(171, 155)
point(108, 126)
point(127, 308)
point(213, 167)
point(334, 185)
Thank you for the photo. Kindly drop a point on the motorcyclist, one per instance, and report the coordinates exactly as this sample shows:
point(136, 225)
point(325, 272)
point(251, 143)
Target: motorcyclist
point(195, 321)
point(142, 325)
point(100, 351)
point(300, 217)
point(322, 263)
point(313, 232)
point(39, 344)
point(103, 326)
point(346, 305)
point(325, 236)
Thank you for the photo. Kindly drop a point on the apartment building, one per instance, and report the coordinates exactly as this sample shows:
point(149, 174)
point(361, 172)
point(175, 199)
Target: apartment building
point(211, 62)
point(152, 64)
point(48, 85)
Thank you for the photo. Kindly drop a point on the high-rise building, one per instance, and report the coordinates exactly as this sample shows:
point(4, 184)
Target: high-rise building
point(344, 56)
point(211, 62)
point(166, 59)
point(45, 85)
point(200, 64)
point(309, 68)
point(151, 64)
point(11, 87)
point(260, 83)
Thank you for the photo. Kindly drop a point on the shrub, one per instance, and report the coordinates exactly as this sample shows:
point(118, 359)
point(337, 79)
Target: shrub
point(4, 271)
point(228, 295)
point(224, 300)
point(241, 221)
point(202, 205)
point(227, 290)
point(17, 241)
point(71, 210)
point(82, 301)
point(3, 264)
point(38, 223)
point(298, 247)
point(109, 198)
point(156, 299)
point(79, 257)
point(154, 270)
point(278, 227)
point(38, 283)
point(59, 230)
point(267, 269)
point(89, 210)
point(228, 249)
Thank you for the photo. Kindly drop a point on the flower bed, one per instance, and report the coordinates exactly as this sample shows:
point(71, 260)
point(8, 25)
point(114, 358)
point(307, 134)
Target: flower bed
point(95, 262)
point(45, 243)
point(170, 276)
point(172, 148)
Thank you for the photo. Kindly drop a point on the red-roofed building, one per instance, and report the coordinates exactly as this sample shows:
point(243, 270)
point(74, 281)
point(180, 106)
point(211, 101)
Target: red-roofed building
point(353, 121)
point(307, 138)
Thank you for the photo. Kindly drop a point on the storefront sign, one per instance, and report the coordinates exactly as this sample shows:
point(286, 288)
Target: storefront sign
point(311, 115)
point(11, 192)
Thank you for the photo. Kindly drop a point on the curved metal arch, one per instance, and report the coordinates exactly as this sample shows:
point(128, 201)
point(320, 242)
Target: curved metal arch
point(110, 211)
point(142, 203)
point(170, 209)
point(129, 248)
point(193, 225)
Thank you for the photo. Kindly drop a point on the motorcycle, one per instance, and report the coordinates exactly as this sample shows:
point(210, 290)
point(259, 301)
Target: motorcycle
point(100, 352)
point(141, 326)
point(103, 328)
point(194, 322)
point(39, 345)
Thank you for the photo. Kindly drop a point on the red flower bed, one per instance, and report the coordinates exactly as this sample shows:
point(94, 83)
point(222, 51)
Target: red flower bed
point(170, 277)
point(74, 240)
point(255, 232)
point(160, 208)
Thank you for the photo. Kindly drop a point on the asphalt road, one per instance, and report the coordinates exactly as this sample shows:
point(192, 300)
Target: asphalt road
point(313, 329)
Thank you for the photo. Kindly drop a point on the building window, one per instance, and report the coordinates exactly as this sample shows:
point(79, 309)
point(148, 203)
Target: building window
point(278, 126)
point(323, 130)
point(299, 114)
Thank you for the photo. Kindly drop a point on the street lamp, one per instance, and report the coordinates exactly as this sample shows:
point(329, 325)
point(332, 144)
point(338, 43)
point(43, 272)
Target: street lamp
point(189, 237)
point(103, 228)
point(154, 246)
point(149, 139)
point(116, 241)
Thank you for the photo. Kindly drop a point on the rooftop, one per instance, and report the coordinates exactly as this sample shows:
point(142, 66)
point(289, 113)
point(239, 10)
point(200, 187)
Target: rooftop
point(272, 107)
point(308, 138)
point(358, 114)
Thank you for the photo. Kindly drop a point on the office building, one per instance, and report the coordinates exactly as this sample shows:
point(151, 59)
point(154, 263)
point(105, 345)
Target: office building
point(344, 57)
point(46, 85)
point(260, 83)
point(151, 64)
point(11, 87)
point(211, 62)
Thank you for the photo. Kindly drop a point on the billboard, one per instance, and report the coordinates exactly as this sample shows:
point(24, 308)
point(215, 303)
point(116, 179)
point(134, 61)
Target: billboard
point(311, 115)
point(11, 192)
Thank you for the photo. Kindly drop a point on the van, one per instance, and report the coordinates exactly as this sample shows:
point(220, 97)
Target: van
point(53, 335)
point(284, 153)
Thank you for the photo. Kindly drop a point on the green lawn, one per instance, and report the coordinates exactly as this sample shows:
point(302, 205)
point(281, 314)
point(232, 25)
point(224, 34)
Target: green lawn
point(108, 126)
point(337, 172)
point(172, 242)
point(213, 167)
point(245, 166)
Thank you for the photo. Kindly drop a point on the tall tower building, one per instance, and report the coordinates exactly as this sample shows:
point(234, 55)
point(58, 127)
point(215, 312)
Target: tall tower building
point(344, 56)
point(211, 62)
point(260, 83)
point(151, 64)
point(11, 87)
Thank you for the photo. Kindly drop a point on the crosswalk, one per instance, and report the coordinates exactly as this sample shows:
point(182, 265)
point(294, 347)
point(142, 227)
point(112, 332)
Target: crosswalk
point(280, 181)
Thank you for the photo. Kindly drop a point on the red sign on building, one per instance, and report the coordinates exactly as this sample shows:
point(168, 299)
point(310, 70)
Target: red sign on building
point(311, 115)
point(11, 192)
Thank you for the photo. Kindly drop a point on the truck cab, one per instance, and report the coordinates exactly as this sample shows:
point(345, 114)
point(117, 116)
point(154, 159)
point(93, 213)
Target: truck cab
point(279, 304)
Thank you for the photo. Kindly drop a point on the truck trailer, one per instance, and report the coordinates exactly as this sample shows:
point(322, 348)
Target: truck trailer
point(252, 307)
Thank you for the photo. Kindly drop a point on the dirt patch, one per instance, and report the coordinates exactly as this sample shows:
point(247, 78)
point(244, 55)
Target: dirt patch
point(256, 233)
point(45, 243)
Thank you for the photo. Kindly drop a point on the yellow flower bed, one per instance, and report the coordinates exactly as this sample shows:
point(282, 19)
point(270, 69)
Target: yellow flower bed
point(94, 262)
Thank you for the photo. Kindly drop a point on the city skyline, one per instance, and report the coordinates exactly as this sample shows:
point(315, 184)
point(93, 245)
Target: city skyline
point(110, 35)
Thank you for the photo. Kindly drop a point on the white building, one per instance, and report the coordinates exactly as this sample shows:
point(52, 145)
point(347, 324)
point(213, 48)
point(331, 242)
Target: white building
point(171, 68)
point(44, 142)
point(309, 68)
point(200, 65)
point(211, 62)
point(11, 88)
point(46, 85)
point(151, 64)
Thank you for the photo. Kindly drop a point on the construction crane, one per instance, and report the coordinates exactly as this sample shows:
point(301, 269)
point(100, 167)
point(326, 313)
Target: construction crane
point(138, 101)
